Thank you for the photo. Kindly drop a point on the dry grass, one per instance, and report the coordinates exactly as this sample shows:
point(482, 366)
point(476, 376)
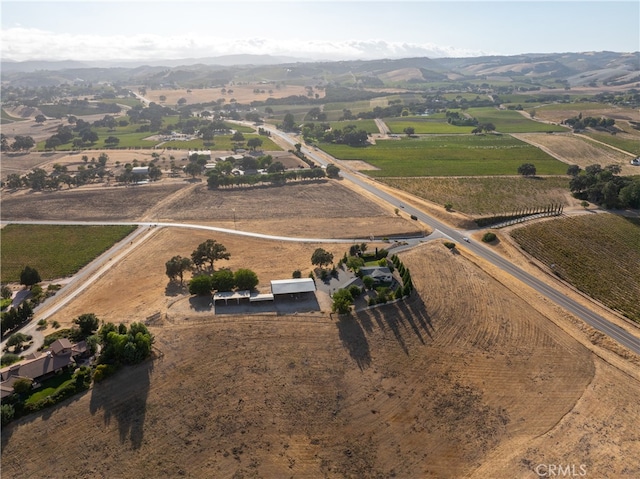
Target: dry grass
point(242, 93)
point(435, 387)
point(476, 375)
point(579, 151)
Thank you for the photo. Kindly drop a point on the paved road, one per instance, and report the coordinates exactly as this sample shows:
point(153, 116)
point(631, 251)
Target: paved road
point(440, 230)
point(591, 318)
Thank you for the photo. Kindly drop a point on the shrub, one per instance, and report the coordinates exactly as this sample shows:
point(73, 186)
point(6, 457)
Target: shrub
point(449, 244)
point(355, 291)
point(296, 274)
point(245, 279)
point(22, 385)
point(103, 371)
point(342, 301)
point(7, 411)
point(200, 285)
point(489, 237)
point(9, 358)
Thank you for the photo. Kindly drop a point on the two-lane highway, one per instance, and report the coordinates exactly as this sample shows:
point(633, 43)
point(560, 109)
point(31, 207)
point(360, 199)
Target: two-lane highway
point(593, 319)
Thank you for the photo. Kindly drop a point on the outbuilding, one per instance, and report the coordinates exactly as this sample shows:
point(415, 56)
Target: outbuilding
point(293, 286)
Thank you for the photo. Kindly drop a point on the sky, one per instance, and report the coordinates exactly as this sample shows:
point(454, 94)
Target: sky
point(93, 30)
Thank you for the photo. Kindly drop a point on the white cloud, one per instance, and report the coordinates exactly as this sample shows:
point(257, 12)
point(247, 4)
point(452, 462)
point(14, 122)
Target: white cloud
point(22, 44)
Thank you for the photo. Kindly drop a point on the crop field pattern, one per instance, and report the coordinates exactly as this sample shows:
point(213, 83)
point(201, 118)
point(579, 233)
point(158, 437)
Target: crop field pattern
point(599, 254)
point(458, 155)
point(55, 251)
point(486, 196)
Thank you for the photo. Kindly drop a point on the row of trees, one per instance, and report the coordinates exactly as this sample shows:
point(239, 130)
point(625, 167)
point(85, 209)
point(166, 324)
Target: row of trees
point(39, 179)
point(223, 280)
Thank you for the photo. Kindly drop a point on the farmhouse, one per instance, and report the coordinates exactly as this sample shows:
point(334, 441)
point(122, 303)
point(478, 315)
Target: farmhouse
point(379, 274)
point(61, 354)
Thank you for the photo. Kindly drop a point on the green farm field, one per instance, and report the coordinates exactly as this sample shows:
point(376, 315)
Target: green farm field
point(461, 155)
point(482, 196)
point(626, 143)
point(55, 251)
point(511, 121)
point(426, 125)
point(598, 254)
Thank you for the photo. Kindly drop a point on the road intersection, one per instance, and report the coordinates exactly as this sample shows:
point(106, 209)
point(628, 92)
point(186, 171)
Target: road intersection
point(440, 230)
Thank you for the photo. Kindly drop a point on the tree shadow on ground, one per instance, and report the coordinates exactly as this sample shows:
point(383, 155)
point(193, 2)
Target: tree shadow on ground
point(201, 303)
point(124, 397)
point(174, 288)
point(403, 318)
point(354, 340)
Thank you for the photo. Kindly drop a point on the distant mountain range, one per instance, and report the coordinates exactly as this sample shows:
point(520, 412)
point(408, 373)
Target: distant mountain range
point(225, 60)
point(569, 69)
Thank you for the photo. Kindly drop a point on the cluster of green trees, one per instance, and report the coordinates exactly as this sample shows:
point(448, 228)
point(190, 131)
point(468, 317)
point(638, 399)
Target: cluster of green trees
point(123, 346)
point(79, 132)
point(604, 187)
point(457, 119)
point(20, 143)
point(349, 135)
point(206, 278)
point(579, 123)
point(223, 280)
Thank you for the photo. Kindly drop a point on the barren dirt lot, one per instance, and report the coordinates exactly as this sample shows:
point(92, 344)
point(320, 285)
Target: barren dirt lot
point(580, 151)
point(101, 203)
point(466, 379)
point(295, 209)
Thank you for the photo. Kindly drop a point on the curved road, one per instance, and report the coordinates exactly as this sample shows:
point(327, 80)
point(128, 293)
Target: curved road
point(598, 322)
point(593, 319)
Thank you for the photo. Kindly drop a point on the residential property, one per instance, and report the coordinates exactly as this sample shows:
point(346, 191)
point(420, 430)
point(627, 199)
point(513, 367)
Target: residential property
point(41, 366)
point(378, 273)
